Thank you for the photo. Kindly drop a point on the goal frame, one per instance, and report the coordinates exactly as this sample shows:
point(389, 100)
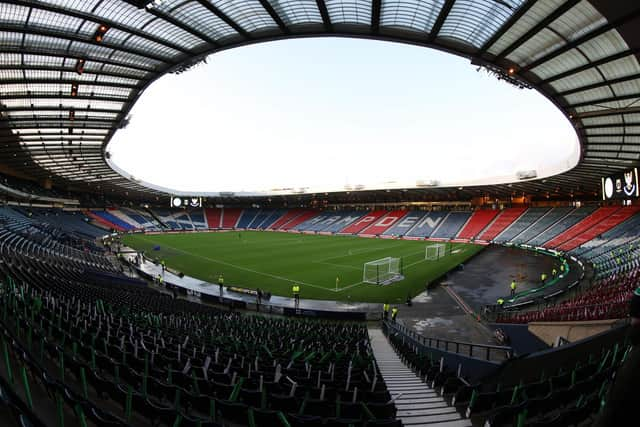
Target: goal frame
point(387, 270)
point(440, 251)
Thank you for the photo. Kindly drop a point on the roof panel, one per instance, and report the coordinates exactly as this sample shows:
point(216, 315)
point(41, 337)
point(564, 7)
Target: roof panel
point(13, 14)
point(294, 12)
point(197, 16)
point(169, 32)
point(475, 21)
point(80, 5)
point(249, 14)
point(349, 11)
point(44, 19)
point(540, 10)
point(418, 15)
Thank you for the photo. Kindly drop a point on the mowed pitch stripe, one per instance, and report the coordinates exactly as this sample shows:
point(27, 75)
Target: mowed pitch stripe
point(273, 276)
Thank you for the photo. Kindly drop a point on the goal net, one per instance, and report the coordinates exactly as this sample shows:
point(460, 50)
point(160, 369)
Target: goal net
point(382, 271)
point(435, 252)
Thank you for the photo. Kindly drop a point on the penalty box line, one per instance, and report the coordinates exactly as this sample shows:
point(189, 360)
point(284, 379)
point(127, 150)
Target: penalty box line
point(273, 276)
point(360, 283)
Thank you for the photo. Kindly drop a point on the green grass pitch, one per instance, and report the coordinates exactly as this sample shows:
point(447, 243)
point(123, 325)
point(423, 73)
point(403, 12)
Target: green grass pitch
point(274, 261)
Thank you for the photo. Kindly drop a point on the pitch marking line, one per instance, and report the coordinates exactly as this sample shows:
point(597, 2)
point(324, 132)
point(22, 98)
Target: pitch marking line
point(336, 265)
point(359, 251)
point(405, 267)
point(273, 276)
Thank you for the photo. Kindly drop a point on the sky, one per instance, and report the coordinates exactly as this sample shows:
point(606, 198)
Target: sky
point(329, 112)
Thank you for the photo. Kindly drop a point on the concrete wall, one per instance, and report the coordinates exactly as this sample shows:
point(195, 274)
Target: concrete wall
point(572, 331)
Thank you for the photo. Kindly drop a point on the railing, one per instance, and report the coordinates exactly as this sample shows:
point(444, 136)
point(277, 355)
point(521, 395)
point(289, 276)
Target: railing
point(487, 352)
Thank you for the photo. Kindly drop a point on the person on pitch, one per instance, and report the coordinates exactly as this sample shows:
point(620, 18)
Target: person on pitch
point(295, 289)
point(221, 283)
point(513, 288)
point(385, 310)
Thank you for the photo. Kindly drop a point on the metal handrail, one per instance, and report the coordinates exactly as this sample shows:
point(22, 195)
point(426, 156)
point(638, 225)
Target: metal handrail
point(450, 346)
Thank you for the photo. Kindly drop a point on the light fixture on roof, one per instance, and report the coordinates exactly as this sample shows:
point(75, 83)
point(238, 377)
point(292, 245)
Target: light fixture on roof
point(509, 75)
point(74, 89)
point(80, 66)
point(100, 32)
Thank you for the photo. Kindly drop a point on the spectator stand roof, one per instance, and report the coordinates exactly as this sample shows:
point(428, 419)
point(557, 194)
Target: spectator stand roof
point(71, 70)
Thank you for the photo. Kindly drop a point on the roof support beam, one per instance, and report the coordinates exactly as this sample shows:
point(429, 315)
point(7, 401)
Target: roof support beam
point(376, 8)
point(608, 112)
point(67, 81)
point(230, 22)
point(612, 125)
point(539, 27)
point(32, 95)
point(324, 13)
point(595, 102)
point(274, 15)
point(442, 16)
point(580, 40)
point(106, 61)
point(93, 18)
point(62, 109)
point(69, 70)
point(524, 8)
point(90, 41)
point(202, 36)
point(599, 84)
point(590, 65)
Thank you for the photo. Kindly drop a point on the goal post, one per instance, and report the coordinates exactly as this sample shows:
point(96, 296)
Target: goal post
point(382, 271)
point(435, 252)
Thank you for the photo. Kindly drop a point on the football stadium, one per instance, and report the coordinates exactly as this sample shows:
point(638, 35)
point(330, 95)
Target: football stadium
point(367, 284)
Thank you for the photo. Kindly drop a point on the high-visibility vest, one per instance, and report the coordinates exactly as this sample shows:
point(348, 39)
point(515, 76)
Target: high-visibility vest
point(554, 272)
point(385, 307)
point(500, 301)
point(220, 280)
point(543, 276)
point(513, 285)
point(295, 289)
point(394, 312)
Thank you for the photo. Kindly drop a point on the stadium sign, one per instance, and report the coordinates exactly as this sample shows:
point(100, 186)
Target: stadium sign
point(623, 185)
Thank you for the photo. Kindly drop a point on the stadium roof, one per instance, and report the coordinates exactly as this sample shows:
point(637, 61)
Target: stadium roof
point(71, 70)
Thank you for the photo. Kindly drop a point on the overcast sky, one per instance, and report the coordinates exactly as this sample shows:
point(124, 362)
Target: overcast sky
point(329, 112)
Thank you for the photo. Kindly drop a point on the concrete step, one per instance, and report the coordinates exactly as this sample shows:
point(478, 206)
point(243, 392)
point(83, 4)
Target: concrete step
point(417, 404)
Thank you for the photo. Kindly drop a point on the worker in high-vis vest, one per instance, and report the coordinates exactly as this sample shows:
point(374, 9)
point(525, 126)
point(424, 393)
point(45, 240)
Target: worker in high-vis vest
point(385, 310)
point(221, 283)
point(295, 289)
point(500, 302)
point(394, 313)
point(543, 277)
point(164, 266)
point(513, 287)
point(554, 272)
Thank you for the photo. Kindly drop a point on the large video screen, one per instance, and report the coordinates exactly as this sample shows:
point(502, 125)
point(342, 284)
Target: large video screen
point(623, 185)
point(186, 202)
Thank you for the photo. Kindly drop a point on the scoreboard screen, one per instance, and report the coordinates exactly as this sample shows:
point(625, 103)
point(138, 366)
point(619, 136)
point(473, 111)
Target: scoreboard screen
point(186, 202)
point(623, 185)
